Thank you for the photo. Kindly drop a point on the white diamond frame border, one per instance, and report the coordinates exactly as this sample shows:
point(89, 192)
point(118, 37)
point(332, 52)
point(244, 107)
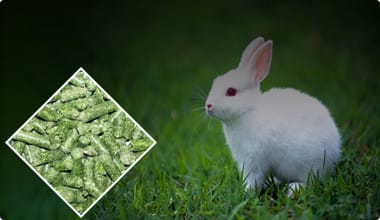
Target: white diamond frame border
point(118, 179)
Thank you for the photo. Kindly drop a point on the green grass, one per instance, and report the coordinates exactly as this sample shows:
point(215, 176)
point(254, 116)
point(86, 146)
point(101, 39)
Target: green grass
point(157, 69)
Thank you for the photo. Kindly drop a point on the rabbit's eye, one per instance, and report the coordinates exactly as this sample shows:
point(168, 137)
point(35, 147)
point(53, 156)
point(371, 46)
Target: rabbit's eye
point(231, 91)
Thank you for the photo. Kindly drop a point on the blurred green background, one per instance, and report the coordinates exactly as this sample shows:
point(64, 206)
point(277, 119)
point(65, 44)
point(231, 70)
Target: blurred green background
point(156, 59)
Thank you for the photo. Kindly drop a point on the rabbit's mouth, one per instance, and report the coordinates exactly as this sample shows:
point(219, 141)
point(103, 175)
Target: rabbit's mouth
point(223, 115)
point(211, 112)
point(218, 114)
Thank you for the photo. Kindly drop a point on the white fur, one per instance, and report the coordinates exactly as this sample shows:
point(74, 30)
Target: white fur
point(282, 132)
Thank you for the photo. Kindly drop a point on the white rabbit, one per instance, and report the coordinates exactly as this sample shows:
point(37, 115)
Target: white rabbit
point(282, 132)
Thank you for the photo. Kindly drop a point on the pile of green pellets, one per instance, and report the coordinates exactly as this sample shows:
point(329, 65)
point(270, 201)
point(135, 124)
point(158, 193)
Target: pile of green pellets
point(80, 142)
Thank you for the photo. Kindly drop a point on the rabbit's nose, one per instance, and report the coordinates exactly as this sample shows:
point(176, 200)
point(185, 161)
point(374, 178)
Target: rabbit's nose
point(208, 106)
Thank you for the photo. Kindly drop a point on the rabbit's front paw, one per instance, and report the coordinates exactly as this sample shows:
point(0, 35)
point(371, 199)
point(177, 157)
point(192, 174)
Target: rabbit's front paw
point(254, 182)
point(294, 187)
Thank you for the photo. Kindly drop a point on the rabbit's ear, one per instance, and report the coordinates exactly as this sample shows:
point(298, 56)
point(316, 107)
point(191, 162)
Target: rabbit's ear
point(260, 62)
point(250, 50)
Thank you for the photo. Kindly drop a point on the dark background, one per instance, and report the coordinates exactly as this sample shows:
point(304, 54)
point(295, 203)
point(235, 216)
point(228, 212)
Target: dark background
point(146, 52)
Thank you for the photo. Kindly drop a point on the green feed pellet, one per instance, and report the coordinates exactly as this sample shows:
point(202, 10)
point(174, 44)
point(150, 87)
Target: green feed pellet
point(80, 142)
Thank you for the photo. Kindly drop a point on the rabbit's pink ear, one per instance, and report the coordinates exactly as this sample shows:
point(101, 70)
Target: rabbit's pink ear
point(260, 63)
point(250, 50)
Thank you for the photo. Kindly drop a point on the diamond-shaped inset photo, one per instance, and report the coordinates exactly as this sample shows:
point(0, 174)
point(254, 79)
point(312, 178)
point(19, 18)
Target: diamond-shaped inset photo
point(81, 142)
